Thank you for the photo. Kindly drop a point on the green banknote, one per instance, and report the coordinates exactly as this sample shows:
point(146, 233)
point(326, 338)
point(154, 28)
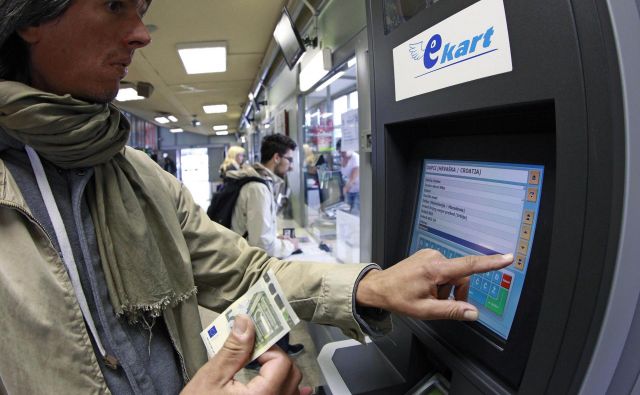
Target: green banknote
point(269, 309)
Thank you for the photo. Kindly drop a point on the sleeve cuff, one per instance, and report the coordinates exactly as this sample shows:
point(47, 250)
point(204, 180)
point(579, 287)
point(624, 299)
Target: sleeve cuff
point(373, 321)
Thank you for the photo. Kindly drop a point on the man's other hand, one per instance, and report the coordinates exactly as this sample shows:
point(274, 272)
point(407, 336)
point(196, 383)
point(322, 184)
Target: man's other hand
point(292, 240)
point(278, 374)
point(420, 285)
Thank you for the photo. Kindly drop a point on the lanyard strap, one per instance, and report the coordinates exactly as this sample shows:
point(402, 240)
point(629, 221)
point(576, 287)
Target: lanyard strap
point(67, 252)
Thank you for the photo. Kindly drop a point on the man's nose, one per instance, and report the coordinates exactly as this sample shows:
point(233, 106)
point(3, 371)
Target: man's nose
point(139, 36)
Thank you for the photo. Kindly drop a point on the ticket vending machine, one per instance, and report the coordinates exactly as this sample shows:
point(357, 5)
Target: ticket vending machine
point(511, 127)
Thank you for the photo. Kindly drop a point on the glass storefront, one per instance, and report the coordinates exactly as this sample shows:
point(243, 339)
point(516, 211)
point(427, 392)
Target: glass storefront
point(331, 164)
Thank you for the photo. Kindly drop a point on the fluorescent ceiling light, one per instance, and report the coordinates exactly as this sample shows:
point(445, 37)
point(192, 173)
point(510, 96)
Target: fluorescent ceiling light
point(201, 58)
point(351, 62)
point(128, 94)
point(172, 118)
point(176, 130)
point(243, 139)
point(218, 128)
point(222, 133)
point(162, 120)
point(330, 81)
point(215, 108)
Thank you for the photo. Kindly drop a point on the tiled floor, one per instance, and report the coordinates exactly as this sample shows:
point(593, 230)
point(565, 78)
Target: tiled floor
point(306, 361)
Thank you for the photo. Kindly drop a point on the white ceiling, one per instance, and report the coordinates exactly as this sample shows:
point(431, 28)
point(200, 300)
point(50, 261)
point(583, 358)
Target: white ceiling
point(245, 25)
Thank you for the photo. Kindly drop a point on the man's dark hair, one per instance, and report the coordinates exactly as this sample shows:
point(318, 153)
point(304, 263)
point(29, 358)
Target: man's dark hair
point(19, 14)
point(275, 144)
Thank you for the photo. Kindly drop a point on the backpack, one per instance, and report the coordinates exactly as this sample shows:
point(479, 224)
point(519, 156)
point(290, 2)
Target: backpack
point(224, 201)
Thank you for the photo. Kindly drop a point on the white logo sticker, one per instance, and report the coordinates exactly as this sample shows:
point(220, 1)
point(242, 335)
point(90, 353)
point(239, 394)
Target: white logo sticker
point(467, 46)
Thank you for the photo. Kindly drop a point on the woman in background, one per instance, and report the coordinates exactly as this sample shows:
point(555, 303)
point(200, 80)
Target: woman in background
point(233, 161)
point(350, 169)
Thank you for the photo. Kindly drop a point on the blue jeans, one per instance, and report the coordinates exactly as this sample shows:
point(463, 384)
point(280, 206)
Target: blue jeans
point(284, 343)
point(353, 200)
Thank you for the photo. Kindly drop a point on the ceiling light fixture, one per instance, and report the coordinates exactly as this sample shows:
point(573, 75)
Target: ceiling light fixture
point(162, 120)
point(215, 108)
point(222, 133)
point(128, 94)
point(176, 130)
point(219, 128)
point(172, 118)
point(205, 57)
point(134, 91)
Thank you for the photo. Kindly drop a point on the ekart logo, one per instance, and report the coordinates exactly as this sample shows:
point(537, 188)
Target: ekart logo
point(435, 57)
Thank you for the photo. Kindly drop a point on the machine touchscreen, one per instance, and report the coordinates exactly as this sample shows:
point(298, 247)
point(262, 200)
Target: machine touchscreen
point(481, 208)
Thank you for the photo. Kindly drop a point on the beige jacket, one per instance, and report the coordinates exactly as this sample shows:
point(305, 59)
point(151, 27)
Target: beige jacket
point(256, 211)
point(44, 345)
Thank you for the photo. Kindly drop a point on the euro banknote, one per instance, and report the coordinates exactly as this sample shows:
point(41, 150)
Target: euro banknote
point(269, 310)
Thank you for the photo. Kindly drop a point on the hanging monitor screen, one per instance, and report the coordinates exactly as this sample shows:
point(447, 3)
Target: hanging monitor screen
point(480, 208)
point(288, 39)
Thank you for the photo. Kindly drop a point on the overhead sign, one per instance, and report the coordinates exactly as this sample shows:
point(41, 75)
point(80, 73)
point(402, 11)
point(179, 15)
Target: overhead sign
point(472, 44)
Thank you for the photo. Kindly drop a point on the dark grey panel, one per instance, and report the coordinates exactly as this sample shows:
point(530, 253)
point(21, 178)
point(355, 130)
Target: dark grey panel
point(563, 53)
point(617, 332)
point(376, 376)
point(216, 157)
point(629, 366)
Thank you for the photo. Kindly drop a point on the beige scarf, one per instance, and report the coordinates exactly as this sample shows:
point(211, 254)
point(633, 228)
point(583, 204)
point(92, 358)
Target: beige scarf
point(140, 259)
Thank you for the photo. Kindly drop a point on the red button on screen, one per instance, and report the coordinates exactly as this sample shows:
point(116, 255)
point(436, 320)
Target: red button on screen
point(506, 281)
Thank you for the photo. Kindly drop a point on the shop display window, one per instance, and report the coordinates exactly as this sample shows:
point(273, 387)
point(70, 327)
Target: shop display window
point(331, 164)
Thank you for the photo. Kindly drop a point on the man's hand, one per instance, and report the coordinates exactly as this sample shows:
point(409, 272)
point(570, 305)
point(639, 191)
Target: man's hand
point(294, 241)
point(419, 286)
point(278, 374)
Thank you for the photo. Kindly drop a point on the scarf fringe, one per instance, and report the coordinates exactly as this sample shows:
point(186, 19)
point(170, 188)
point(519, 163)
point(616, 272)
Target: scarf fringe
point(143, 312)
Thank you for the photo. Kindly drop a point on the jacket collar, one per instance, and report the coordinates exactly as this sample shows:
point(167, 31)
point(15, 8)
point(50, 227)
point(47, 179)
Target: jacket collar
point(9, 190)
point(255, 170)
point(266, 173)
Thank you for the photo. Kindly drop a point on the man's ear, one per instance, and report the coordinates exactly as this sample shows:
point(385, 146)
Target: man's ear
point(31, 34)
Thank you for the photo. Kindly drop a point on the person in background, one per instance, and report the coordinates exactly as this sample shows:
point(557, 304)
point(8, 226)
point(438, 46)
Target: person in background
point(169, 165)
point(255, 213)
point(350, 169)
point(309, 159)
point(103, 251)
point(233, 161)
point(256, 209)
